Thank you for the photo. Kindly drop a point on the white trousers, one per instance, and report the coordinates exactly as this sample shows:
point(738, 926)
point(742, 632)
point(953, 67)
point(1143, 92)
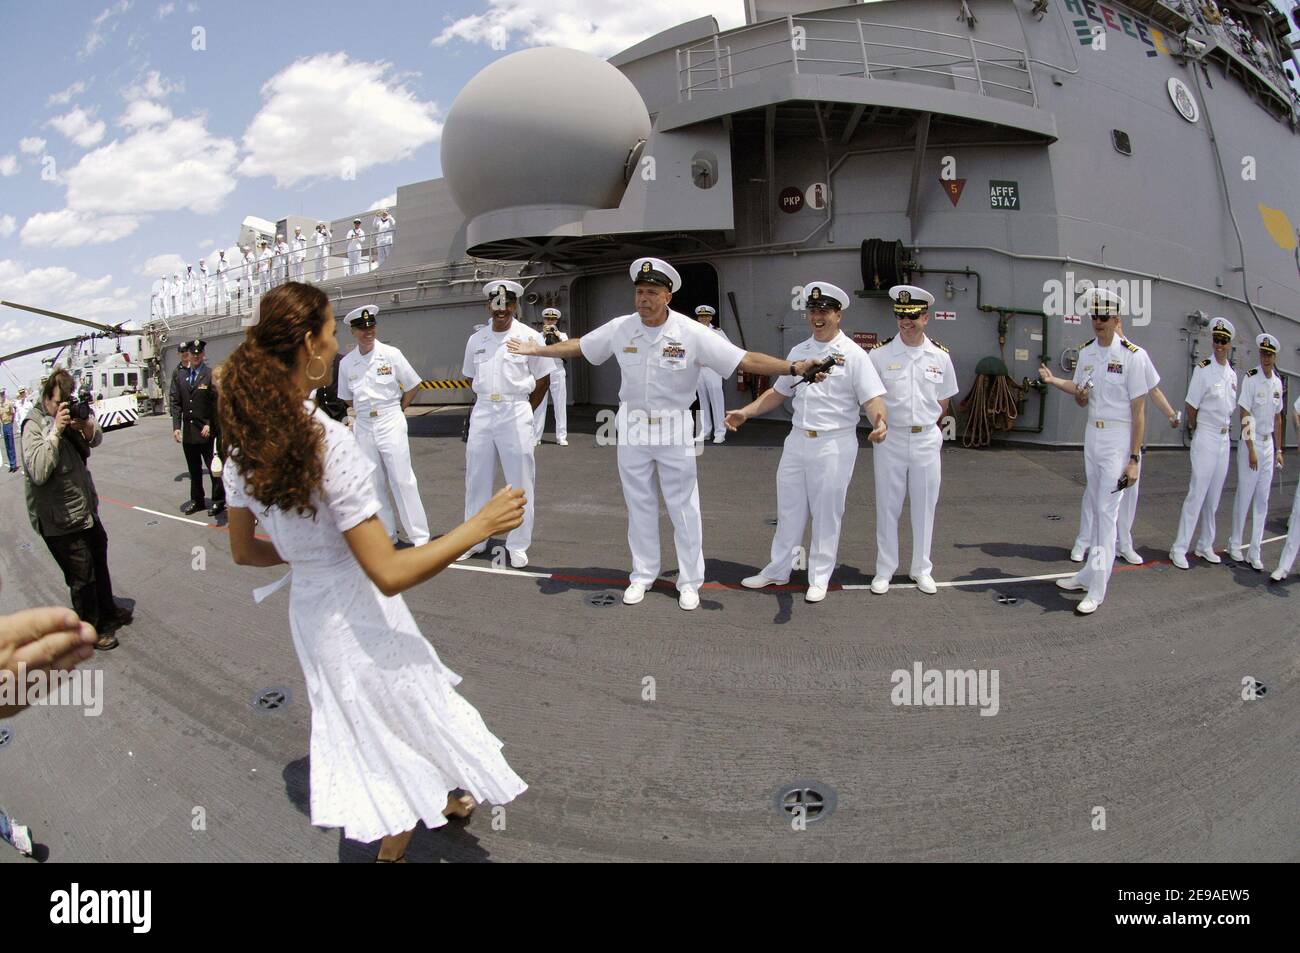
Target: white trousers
point(1253, 490)
point(1105, 454)
point(906, 465)
point(501, 429)
point(299, 269)
point(223, 293)
point(1209, 453)
point(713, 410)
point(1128, 504)
point(354, 262)
point(812, 479)
point(558, 394)
point(320, 267)
point(675, 465)
point(383, 440)
point(1292, 545)
point(382, 250)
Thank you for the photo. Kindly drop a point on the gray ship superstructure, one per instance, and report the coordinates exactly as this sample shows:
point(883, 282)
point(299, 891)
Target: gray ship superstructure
point(1002, 161)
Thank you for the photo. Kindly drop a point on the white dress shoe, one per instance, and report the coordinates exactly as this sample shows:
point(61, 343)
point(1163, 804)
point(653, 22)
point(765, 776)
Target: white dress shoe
point(814, 594)
point(925, 584)
point(1278, 575)
point(467, 554)
point(720, 438)
point(1078, 553)
point(759, 581)
point(700, 438)
point(1235, 554)
point(562, 442)
point(1257, 564)
point(537, 442)
point(1209, 555)
point(1086, 606)
point(1179, 560)
point(518, 558)
point(633, 594)
point(880, 585)
point(1070, 585)
point(688, 599)
point(1131, 557)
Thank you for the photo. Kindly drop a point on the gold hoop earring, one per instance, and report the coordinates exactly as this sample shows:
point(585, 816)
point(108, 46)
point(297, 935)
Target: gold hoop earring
point(321, 375)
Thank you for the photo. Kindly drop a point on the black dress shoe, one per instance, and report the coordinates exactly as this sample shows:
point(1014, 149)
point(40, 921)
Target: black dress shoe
point(216, 509)
point(190, 507)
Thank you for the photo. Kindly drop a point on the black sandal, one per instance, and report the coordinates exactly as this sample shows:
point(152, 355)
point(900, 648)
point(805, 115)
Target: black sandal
point(107, 641)
point(385, 860)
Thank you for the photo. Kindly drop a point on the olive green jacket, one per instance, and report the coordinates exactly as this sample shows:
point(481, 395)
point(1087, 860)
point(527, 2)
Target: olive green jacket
point(61, 497)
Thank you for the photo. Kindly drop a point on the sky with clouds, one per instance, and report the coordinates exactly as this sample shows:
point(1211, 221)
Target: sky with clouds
point(142, 133)
point(138, 134)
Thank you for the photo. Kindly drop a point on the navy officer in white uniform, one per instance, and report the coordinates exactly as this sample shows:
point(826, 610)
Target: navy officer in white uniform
point(713, 409)
point(378, 381)
point(558, 392)
point(1211, 402)
point(1259, 450)
point(819, 454)
point(919, 382)
point(508, 387)
point(1111, 376)
point(660, 353)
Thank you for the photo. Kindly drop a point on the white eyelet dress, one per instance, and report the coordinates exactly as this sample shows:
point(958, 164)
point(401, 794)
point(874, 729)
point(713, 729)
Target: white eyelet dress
point(390, 738)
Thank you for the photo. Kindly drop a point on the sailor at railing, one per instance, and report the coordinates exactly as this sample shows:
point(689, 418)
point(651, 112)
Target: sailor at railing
point(298, 254)
point(383, 230)
point(356, 240)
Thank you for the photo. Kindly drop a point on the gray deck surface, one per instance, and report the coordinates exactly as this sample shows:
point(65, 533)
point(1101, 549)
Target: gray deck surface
point(1137, 708)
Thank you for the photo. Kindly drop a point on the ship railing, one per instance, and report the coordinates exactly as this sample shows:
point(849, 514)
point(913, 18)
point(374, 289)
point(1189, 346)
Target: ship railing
point(854, 48)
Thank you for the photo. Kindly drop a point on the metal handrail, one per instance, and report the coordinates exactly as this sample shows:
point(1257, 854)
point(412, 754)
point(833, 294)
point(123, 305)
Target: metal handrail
point(724, 78)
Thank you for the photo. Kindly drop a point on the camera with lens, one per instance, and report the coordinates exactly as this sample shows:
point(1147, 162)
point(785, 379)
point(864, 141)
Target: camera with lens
point(80, 406)
point(551, 335)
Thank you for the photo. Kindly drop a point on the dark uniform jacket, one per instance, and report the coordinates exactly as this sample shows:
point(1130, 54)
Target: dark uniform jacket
point(193, 407)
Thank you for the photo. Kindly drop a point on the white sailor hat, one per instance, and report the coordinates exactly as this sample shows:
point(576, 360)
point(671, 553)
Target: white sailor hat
point(909, 299)
point(706, 309)
point(363, 317)
point(817, 294)
point(656, 271)
point(1100, 302)
point(1267, 343)
point(512, 289)
point(551, 313)
point(1222, 326)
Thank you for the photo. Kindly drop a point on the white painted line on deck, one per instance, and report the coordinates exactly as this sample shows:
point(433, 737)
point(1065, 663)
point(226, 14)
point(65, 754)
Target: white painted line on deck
point(501, 572)
point(179, 519)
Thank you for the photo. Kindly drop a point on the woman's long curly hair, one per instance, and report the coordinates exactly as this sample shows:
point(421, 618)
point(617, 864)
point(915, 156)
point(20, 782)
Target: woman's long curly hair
point(267, 432)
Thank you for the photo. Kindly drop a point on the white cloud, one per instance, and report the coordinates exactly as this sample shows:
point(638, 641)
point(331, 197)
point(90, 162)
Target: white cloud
point(65, 97)
point(32, 145)
point(165, 10)
point(103, 24)
point(8, 224)
point(166, 264)
point(79, 127)
point(142, 113)
point(600, 27)
point(161, 168)
point(329, 116)
point(388, 201)
point(8, 165)
point(153, 86)
point(68, 229)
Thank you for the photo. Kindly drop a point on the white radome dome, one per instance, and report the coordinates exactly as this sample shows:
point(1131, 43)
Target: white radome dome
point(542, 127)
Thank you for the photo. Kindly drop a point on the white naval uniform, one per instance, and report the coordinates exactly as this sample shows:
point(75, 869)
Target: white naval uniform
point(1213, 393)
point(299, 257)
point(819, 454)
point(375, 383)
point(223, 292)
point(248, 277)
point(192, 291)
point(660, 370)
point(176, 291)
point(322, 253)
point(713, 409)
point(384, 237)
point(281, 264)
point(557, 394)
point(906, 462)
point(264, 271)
point(1261, 397)
point(1119, 376)
point(356, 239)
point(205, 287)
point(501, 422)
point(1128, 497)
point(1292, 545)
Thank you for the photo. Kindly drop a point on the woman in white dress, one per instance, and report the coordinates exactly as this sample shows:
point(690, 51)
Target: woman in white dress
point(390, 738)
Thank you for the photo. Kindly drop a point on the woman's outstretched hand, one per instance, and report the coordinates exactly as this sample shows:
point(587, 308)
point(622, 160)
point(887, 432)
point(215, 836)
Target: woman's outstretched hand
point(502, 513)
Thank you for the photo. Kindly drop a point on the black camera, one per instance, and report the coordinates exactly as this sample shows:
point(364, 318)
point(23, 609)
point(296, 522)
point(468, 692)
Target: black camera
point(550, 334)
point(80, 407)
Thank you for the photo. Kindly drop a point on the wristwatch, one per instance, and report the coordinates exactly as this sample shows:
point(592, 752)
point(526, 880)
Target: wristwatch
point(793, 372)
point(1135, 458)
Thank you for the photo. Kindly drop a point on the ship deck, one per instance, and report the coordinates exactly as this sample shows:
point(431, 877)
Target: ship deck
point(1136, 709)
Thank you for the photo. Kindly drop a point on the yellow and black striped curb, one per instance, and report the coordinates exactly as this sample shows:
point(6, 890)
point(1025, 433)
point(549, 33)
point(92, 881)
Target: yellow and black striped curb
point(444, 385)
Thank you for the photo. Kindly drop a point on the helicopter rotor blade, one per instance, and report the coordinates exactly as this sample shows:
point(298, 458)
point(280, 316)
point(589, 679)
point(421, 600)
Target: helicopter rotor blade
point(106, 328)
point(39, 348)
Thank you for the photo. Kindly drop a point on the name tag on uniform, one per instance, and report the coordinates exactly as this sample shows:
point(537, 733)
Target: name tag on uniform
point(1115, 367)
point(629, 350)
point(202, 387)
point(481, 350)
point(894, 367)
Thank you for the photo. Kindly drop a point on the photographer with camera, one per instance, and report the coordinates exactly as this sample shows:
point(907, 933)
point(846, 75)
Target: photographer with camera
point(557, 393)
point(62, 503)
